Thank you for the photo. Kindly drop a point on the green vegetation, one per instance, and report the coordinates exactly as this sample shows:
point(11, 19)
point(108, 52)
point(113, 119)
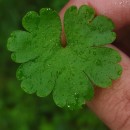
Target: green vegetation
point(70, 73)
point(18, 110)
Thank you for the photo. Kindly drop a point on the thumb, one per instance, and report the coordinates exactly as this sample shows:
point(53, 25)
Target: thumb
point(112, 105)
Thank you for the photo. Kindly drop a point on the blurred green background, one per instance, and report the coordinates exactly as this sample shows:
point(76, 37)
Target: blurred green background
point(18, 110)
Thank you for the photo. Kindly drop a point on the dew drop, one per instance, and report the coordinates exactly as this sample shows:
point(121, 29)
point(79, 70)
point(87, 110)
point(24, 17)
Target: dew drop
point(76, 96)
point(48, 9)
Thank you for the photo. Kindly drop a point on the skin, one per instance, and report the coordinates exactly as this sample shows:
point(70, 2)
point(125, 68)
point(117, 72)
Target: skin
point(112, 105)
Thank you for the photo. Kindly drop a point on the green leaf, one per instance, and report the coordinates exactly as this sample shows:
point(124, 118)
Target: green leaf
point(69, 73)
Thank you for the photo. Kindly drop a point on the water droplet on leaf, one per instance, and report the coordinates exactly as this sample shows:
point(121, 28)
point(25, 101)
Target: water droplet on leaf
point(68, 106)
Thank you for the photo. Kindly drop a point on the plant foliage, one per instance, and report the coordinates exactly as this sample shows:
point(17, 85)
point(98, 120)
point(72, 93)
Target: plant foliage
point(69, 73)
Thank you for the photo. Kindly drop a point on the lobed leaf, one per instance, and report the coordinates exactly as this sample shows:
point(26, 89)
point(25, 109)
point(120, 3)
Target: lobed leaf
point(69, 73)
